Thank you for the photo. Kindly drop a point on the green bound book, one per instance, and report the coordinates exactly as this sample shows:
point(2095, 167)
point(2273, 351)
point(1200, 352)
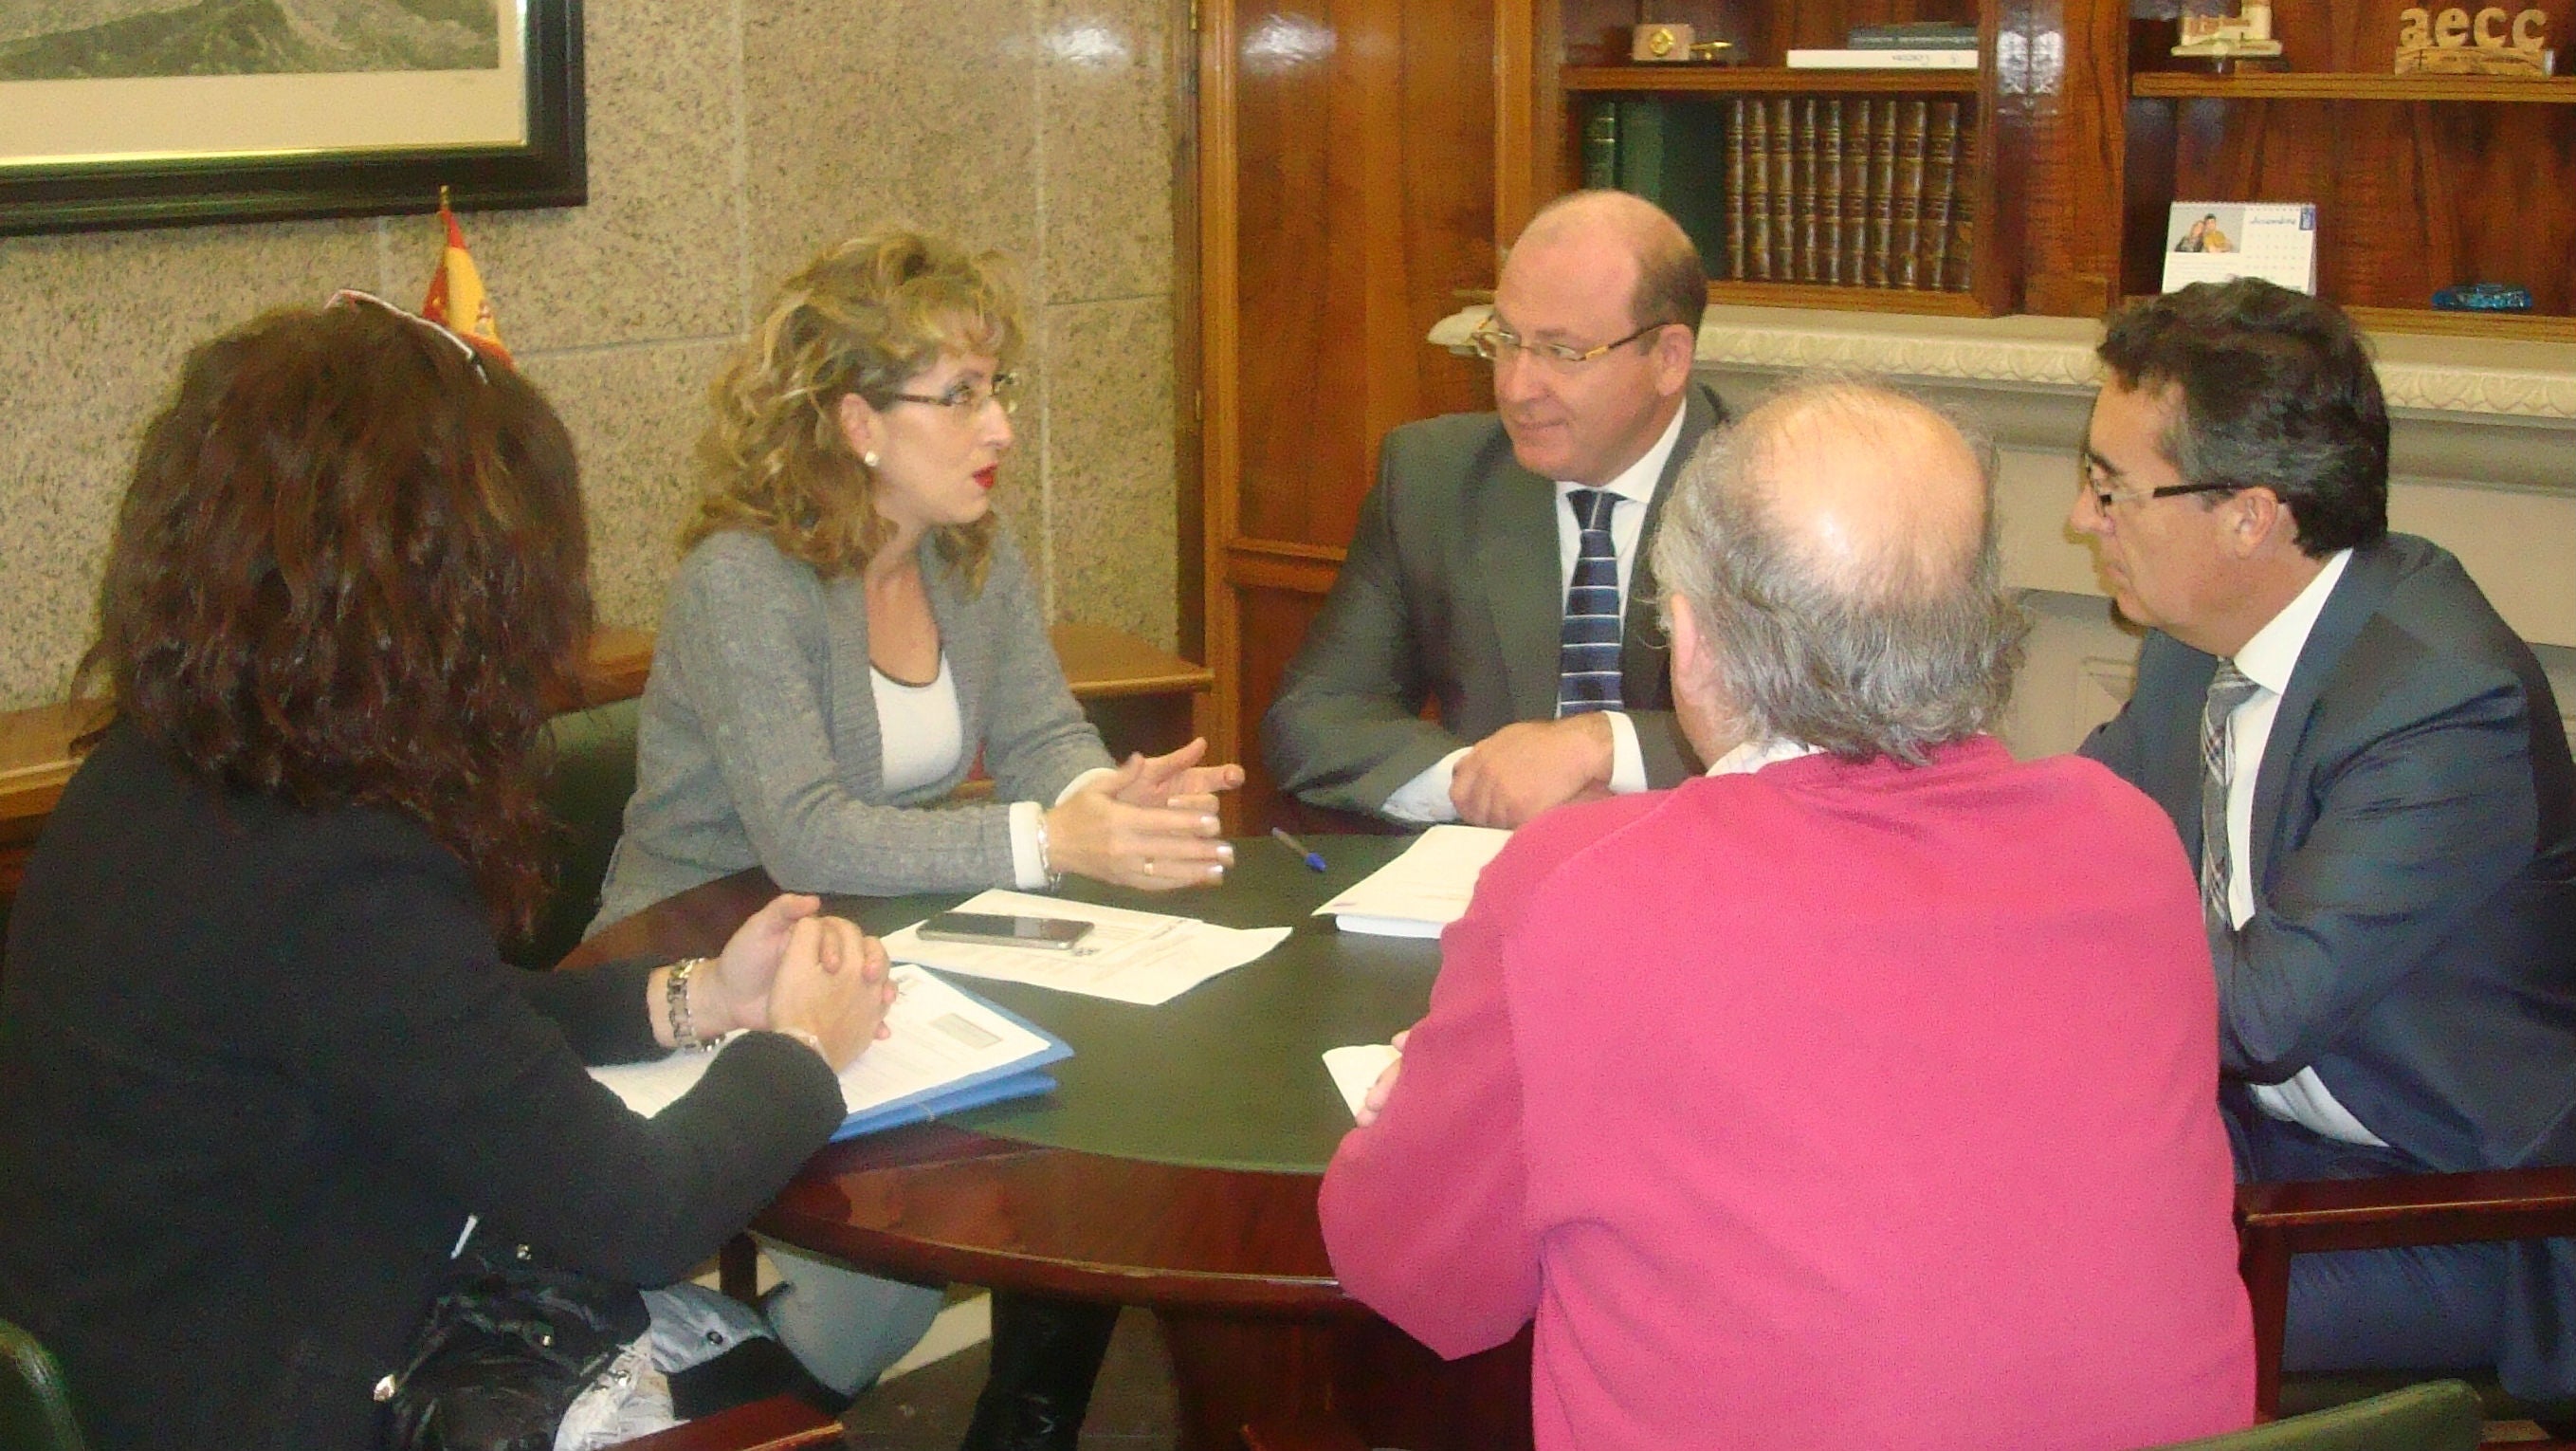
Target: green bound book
point(1601, 147)
point(1673, 152)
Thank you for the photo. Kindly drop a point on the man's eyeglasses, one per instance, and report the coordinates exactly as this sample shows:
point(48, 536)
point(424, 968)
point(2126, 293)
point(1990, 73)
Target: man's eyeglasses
point(966, 398)
point(1500, 344)
point(2104, 497)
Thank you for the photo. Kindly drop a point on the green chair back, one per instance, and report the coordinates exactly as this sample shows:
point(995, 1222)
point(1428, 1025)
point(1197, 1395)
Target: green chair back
point(590, 775)
point(2441, 1415)
point(35, 1406)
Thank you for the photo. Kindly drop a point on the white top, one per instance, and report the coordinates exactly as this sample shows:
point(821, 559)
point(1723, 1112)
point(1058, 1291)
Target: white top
point(920, 726)
point(1426, 797)
point(2267, 660)
point(924, 735)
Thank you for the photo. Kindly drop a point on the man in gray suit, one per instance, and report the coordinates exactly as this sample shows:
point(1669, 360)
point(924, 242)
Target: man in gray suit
point(2371, 771)
point(1499, 565)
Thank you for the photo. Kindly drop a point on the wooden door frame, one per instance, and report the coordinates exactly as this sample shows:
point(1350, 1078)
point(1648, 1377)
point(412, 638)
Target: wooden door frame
point(1215, 354)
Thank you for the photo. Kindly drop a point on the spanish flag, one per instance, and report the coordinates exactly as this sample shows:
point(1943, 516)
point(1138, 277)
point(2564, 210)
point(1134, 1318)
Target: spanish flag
point(456, 298)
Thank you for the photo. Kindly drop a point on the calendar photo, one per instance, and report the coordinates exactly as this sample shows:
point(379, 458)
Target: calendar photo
point(2215, 241)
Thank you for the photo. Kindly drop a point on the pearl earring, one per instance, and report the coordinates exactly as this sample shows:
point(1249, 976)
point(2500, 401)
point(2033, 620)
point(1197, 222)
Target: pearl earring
point(869, 458)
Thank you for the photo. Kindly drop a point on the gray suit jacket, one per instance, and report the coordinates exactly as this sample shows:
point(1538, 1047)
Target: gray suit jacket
point(1450, 594)
point(2414, 869)
point(757, 744)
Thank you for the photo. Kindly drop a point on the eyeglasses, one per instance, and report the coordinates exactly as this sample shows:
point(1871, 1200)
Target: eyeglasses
point(2104, 498)
point(966, 398)
point(1498, 344)
point(352, 297)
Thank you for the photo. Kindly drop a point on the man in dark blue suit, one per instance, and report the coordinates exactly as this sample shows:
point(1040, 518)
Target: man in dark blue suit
point(2371, 771)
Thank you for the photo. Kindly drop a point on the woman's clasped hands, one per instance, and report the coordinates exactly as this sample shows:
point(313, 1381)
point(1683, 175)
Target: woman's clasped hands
point(1151, 823)
point(793, 970)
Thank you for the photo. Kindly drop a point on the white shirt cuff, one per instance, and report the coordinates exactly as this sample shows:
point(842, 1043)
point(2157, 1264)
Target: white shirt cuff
point(1425, 798)
point(1627, 762)
point(1028, 864)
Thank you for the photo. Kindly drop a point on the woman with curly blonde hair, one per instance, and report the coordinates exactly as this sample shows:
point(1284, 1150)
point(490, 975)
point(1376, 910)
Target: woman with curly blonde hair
point(851, 627)
point(849, 632)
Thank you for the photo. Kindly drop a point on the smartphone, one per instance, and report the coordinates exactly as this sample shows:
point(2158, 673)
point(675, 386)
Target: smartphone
point(1056, 933)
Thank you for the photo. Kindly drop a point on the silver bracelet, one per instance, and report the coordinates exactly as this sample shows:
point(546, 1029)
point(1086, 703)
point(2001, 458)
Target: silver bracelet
point(675, 995)
point(1046, 861)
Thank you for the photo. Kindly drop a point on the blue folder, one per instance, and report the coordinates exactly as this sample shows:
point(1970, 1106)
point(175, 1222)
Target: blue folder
point(1022, 1077)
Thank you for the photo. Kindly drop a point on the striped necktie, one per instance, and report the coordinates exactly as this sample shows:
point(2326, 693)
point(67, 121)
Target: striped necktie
point(1587, 652)
point(2228, 689)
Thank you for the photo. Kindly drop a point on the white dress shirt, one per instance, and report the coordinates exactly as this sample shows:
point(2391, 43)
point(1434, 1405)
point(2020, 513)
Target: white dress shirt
point(2267, 660)
point(1426, 797)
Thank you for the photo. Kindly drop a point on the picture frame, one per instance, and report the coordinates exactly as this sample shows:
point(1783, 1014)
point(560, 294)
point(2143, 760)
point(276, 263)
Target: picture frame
point(83, 154)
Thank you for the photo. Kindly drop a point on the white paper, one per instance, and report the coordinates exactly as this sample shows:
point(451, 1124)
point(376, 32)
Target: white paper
point(938, 1036)
point(2220, 241)
point(1423, 890)
point(1128, 957)
point(1356, 1068)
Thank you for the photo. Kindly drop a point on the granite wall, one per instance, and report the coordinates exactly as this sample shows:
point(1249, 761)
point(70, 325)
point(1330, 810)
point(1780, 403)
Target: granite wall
point(728, 141)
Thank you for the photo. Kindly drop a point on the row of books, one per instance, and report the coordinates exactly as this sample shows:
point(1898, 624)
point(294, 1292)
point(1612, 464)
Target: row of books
point(1846, 191)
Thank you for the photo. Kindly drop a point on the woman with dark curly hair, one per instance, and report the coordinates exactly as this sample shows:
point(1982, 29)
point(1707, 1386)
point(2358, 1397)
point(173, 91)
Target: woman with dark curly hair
point(260, 1062)
point(850, 632)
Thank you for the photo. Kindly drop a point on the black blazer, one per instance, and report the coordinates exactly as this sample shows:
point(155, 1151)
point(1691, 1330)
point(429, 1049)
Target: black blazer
point(256, 1067)
point(2414, 869)
point(1450, 594)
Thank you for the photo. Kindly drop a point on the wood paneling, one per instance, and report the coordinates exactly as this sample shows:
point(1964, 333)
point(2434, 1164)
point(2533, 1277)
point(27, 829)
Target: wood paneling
point(1274, 623)
point(1346, 198)
point(2072, 139)
point(1365, 200)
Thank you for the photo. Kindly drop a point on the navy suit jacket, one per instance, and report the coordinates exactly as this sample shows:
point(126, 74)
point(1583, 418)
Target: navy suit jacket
point(1451, 595)
point(2414, 867)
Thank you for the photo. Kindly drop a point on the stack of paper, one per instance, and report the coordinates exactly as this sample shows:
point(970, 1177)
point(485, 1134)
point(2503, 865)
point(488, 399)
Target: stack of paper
point(1128, 957)
point(947, 1050)
point(1423, 890)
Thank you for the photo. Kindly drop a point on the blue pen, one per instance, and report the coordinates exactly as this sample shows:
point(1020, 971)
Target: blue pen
point(1313, 859)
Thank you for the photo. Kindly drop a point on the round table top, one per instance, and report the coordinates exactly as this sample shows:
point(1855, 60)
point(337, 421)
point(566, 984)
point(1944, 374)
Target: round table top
point(1175, 1164)
point(1229, 1075)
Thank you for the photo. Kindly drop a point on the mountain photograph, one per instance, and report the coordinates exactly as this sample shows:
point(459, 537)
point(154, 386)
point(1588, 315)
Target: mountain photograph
point(101, 39)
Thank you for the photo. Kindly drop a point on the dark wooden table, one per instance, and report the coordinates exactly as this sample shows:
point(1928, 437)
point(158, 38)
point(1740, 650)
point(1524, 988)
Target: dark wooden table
point(1175, 1167)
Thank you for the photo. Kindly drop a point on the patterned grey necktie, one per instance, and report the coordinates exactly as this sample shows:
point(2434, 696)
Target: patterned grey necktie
point(1587, 652)
point(2228, 689)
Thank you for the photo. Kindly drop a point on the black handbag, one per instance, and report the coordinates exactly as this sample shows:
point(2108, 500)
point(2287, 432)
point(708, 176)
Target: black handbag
point(506, 1347)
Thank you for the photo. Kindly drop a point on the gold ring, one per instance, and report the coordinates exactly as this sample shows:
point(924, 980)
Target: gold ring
point(1149, 866)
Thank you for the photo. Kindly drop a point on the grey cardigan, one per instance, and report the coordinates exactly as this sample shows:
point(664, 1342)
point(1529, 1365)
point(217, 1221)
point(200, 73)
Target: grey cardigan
point(757, 743)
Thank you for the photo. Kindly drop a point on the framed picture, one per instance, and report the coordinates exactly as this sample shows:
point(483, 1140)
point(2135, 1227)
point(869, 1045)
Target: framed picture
point(150, 113)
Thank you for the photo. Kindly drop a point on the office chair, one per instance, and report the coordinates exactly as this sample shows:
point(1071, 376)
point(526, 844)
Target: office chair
point(589, 774)
point(2437, 1416)
point(35, 1405)
point(2275, 1221)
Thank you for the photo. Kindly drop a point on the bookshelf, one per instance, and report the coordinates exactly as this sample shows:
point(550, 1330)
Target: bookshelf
point(2420, 181)
point(2088, 129)
point(1569, 57)
point(1769, 80)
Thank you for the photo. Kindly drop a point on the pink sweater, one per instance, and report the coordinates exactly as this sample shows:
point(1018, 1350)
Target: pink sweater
point(1858, 1106)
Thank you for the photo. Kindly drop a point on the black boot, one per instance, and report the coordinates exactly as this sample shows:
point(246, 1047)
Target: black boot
point(1045, 1355)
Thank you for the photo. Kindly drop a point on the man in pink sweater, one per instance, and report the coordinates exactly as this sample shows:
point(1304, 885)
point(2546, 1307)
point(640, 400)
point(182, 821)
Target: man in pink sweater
point(1861, 1093)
